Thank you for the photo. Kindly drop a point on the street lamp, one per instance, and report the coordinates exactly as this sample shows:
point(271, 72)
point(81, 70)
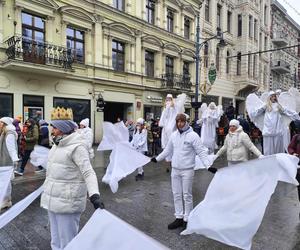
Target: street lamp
point(195, 102)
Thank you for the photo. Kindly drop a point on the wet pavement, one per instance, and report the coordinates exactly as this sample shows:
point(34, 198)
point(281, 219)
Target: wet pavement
point(148, 206)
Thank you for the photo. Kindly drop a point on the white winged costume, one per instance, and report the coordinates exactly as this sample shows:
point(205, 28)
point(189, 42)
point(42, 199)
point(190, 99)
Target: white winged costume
point(272, 119)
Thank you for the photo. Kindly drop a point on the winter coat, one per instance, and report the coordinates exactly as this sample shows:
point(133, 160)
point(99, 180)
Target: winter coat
point(69, 176)
point(89, 139)
point(139, 141)
point(44, 135)
point(8, 147)
point(294, 146)
point(184, 147)
point(31, 137)
point(237, 145)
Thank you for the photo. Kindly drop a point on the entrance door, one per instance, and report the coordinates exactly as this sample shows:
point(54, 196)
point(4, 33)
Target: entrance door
point(33, 107)
point(115, 110)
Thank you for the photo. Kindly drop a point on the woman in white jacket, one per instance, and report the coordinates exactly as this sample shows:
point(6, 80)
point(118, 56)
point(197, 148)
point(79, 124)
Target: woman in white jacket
point(8, 152)
point(69, 177)
point(237, 144)
point(139, 143)
point(87, 132)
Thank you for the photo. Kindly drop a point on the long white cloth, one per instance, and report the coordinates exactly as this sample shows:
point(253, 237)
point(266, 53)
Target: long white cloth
point(39, 156)
point(112, 134)
point(124, 160)
point(106, 231)
point(5, 177)
point(19, 207)
point(237, 197)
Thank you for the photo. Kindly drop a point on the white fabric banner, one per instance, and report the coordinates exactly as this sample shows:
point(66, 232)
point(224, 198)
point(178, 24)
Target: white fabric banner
point(236, 199)
point(106, 231)
point(112, 134)
point(5, 177)
point(123, 161)
point(19, 207)
point(39, 156)
point(199, 164)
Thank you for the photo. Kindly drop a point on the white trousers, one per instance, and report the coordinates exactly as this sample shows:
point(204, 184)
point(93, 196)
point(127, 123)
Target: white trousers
point(7, 197)
point(182, 184)
point(140, 170)
point(273, 144)
point(63, 227)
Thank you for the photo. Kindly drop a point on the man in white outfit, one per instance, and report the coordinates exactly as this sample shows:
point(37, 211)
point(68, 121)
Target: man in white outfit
point(87, 132)
point(69, 177)
point(8, 152)
point(273, 127)
point(184, 145)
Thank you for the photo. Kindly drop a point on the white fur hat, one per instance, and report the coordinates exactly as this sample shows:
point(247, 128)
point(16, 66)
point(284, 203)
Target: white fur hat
point(7, 120)
point(140, 121)
point(272, 93)
point(85, 122)
point(234, 122)
point(169, 96)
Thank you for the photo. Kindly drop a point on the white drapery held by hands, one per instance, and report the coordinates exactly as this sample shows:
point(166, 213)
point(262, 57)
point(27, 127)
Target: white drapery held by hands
point(5, 177)
point(237, 197)
point(19, 207)
point(123, 160)
point(112, 134)
point(199, 164)
point(106, 231)
point(39, 156)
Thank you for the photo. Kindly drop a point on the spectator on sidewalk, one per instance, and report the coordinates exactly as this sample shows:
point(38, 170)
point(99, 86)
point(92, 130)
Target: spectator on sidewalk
point(156, 138)
point(31, 138)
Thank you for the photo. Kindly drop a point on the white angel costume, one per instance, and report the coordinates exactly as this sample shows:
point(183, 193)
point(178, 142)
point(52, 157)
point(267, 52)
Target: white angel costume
point(272, 119)
point(210, 121)
point(168, 116)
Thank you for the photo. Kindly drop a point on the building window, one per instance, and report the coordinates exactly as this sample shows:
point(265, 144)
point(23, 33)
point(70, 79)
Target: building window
point(249, 65)
point(229, 16)
point(118, 55)
point(266, 43)
point(186, 69)
point(119, 4)
point(255, 29)
point(150, 7)
point(187, 24)
point(206, 55)
point(240, 25)
point(170, 20)
point(250, 26)
point(206, 13)
point(149, 63)
point(218, 58)
point(33, 38)
point(219, 9)
point(265, 14)
point(6, 105)
point(238, 63)
point(169, 65)
point(254, 65)
point(228, 63)
point(75, 42)
point(81, 107)
point(33, 107)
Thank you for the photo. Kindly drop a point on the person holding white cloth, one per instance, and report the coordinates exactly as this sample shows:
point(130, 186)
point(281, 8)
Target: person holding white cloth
point(184, 145)
point(69, 177)
point(139, 143)
point(8, 152)
point(237, 145)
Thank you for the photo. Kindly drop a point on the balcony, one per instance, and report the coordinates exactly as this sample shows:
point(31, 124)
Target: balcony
point(27, 50)
point(280, 39)
point(280, 66)
point(174, 82)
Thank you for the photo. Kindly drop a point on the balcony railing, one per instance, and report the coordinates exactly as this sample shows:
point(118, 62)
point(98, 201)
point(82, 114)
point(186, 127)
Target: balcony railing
point(280, 66)
point(176, 82)
point(29, 50)
point(280, 39)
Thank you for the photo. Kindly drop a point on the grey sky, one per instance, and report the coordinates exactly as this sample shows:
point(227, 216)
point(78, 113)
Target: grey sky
point(291, 10)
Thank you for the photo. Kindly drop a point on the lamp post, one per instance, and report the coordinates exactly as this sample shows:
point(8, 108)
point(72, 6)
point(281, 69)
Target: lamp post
point(196, 104)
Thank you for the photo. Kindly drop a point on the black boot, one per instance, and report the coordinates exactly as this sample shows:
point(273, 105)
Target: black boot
point(184, 225)
point(139, 177)
point(176, 224)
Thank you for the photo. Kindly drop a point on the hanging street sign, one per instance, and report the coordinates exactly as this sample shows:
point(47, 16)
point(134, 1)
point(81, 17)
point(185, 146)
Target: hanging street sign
point(212, 74)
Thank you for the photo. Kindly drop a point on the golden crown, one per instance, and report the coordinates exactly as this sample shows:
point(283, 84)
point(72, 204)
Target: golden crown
point(61, 114)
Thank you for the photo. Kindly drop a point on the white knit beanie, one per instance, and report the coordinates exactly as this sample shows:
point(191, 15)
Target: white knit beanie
point(234, 122)
point(85, 122)
point(7, 120)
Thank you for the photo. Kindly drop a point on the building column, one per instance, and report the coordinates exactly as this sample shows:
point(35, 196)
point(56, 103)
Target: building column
point(88, 52)
point(63, 34)
point(128, 7)
point(132, 57)
point(177, 21)
point(18, 18)
point(177, 68)
point(98, 40)
point(163, 63)
point(1, 21)
point(158, 64)
point(49, 29)
point(138, 53)
point(158, 19)
point(105, 50)
point(109, 46)
point(127, 56)
point(193, 29)
point(164, 16)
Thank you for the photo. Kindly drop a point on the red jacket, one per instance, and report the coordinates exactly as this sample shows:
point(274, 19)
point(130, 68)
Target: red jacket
point(294, 146)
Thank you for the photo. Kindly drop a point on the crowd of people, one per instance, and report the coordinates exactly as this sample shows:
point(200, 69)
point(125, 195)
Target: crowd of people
point(70, 175)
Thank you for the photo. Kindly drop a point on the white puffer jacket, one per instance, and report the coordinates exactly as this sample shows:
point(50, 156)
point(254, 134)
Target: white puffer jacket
point(69, 176)
point(89, 139)
point(139, 141)
point(237, 145)
point(184, 147)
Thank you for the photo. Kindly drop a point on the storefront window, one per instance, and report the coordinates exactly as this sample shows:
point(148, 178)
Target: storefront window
point(81, 108)
point(6, 105)
point(33, 107)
